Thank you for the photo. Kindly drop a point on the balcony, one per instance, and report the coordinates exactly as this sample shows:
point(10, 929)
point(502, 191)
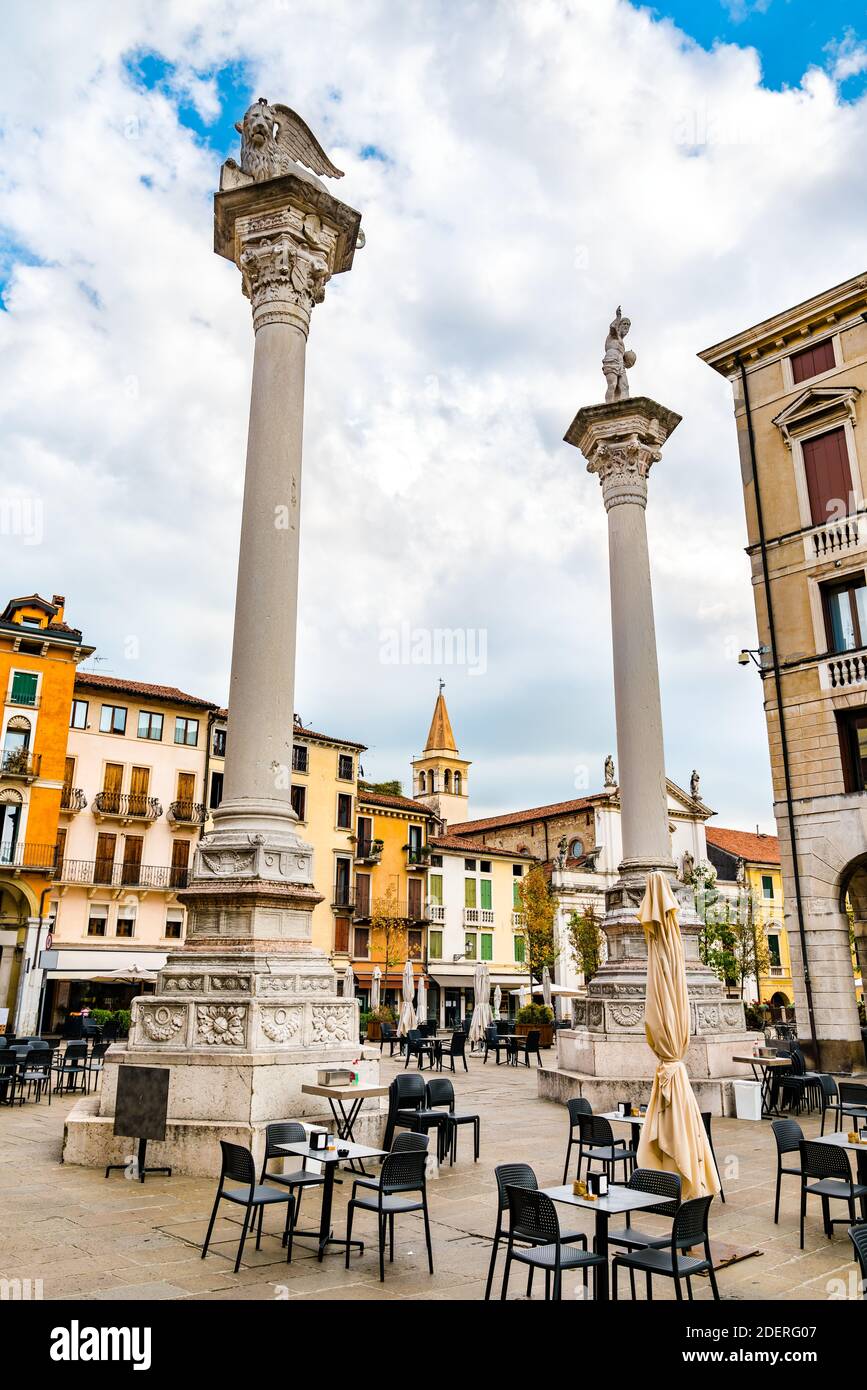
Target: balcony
point(844, 671)
point(186, 815)
point(20, 764)
point(835, 540)
point(119, 806)
point(777, 972)
point(417, 856)
point(518, 920)
point(343, 898)
point(403, 911)
point(368, 851)
point(72, 800)
point(103, 873)
point(478, 917)
point(32, 858)
point(436, 912)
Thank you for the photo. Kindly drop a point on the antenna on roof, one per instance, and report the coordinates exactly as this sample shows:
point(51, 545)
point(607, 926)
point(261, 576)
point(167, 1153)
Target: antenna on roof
point(442, 685)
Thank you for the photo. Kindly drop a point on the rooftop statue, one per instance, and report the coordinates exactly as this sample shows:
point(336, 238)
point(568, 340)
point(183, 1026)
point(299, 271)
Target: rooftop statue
point(617, 358)
point(274, 139)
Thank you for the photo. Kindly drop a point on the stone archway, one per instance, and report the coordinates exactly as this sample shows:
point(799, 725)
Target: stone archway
point(853, 895)
point(17, 905)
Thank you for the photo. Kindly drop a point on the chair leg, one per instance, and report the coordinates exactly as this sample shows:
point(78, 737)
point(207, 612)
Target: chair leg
point(678, 1292)
point(803, 1210)
point(427, 1234)
point(710, 1272)
point(477, 1138)
point(632, 1282)
point(615, 1270)
point(391, 1239)
point(566, 1164)
point(648, 1289)
point(530, 1272)
point(506, 1273)
point(211, 1223)
point(777, 1198)
point(494, 1251)
point(381, 1223)
point(290, 1228)
point(249, 1217)
point(350, 1212)
point(259, 1229)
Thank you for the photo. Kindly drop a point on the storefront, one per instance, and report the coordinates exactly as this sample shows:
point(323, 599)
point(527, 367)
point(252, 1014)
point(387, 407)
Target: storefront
point(76, 982)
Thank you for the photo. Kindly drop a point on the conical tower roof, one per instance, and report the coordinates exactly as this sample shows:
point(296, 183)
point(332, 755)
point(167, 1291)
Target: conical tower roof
point(440, 737)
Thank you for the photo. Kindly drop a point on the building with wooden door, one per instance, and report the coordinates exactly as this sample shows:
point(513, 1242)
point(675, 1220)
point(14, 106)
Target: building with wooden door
point(750, 879)
point(131, 810)
point(39, 653)
point(798, 381)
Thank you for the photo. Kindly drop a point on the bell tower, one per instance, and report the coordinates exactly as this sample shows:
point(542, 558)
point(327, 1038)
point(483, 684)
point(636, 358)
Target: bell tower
point(439, 775)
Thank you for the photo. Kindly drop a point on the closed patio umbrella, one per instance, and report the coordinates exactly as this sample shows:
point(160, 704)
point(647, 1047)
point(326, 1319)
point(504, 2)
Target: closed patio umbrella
point(374, 989)
point(481, 1008)
point(421, 1000)
point(498, 999)
point(349, 983)
point(407, 1012)
point(546, 986)
point(673, 1137)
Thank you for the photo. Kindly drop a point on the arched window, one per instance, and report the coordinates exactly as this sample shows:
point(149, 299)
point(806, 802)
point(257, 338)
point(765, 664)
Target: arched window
point(432, 780)
point(422, 782)
point(458, 784)
point(447, 780)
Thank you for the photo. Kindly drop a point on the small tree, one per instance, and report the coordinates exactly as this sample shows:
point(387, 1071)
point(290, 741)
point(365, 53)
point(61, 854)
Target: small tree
point(539, 908)
point(585, 941)
point(388, 926)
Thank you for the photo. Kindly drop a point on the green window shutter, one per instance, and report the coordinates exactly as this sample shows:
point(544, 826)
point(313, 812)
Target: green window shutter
point(24, 687)
point(487, 946)
point(486, 892)
point(469, 892)
point(519, 949)
point(516, 894)
point(435, 945)
point(435, 883)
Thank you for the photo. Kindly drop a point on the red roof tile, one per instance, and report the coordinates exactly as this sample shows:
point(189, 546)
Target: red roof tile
point(396, 803)
point(452, 841)
point(557, 808)
point(745, 844)
point(87, 680)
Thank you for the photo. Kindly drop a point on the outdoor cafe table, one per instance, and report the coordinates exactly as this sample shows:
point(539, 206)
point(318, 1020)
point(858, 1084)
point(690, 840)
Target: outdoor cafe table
point(634, 1121)
point(618, 1201)
point(841, 1141)
point(338, 1098)
point(330, 1160)
point(767, 1065)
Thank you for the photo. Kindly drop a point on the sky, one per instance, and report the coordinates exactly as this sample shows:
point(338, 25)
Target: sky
point(521, 170)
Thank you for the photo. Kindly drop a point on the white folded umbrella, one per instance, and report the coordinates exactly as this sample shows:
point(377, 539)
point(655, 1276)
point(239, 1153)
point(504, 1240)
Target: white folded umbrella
point(374, 989)
point(407, 1012)
point(482, 1016)
point(421, 1000)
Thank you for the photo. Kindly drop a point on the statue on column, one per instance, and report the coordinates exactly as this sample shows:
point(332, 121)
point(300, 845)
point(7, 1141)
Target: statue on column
point(274, 139)
point(694, 785)
point(609, 772)
point(617, 358)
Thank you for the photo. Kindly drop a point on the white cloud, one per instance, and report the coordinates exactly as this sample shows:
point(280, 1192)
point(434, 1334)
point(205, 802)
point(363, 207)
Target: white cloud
point(541, 163)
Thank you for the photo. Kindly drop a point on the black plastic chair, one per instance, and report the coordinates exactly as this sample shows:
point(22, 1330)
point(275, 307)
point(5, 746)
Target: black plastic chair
point(388, 1035)
point(833, 1182)
point(689, 1229)
point(518, 1175)
point(403, 1143)
point(598, 1145)
point(72, 1067)
point(830, 1099)
point(660, 1184)
point(858, 1237)
point(707, 1120)
point(8, 1076)
point(96, 1062)
point(853, 1101)
point(789, 1137)
point(493, 1043)
point(533, 1220)
point(577, 1106)
point(35, 1072)
point(238, 1165)
point(533, 1049)
point(402, 1189)
point(441, 1092)
point(406, 1095)
point(457, 1048)
point(298, 1180)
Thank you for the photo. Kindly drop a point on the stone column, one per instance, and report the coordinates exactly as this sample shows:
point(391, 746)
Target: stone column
point(621, 441)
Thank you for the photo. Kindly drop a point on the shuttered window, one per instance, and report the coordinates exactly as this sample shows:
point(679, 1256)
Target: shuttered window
point(812, 360)
point(829, 481)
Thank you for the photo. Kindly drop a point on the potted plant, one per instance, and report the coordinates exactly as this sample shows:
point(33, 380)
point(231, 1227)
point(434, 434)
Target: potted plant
point(536, 1018)
point(375, 1020)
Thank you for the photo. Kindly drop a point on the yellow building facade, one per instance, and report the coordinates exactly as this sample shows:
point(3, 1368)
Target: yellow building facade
point(749, 863)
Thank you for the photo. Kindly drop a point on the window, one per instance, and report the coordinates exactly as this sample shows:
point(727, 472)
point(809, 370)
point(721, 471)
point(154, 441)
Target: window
point(520, 949)
point(447, 780)
point(485, 866)
point(216, 795)
point(299, 757)
point(362, 895)
point(435, 888)
point(150, 725)
point(298, 797)
point(435, 945)
point(829, 481)
point(112, 719)
point(458, 784)
point(414, 942)
point(219, 743)
point(846, 614)
point(852, 732)
point(78, 717)
point(30, 622)
point(517, 870)
point(174, 925)
point(344, 767)
point(485, 889)
point(362, 943)
point(422, 783)
point(341, 935)
point(487, 946)
point(436, 861)
point(344, 811)
point(470, 945)
point(186, 730)
point(767, 886)
point(179, 873)
point(24, 685)
point(469, 892)
point(470, 866)
point(774, 959)
point(125, 925)
point(813, 360)
point(97, 920)
point(576, 849)
point(517, 905)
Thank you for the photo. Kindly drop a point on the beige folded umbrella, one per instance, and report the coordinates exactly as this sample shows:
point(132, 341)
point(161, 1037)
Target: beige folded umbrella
point(673, 1137)
point(374, 988)
point(407, 1012)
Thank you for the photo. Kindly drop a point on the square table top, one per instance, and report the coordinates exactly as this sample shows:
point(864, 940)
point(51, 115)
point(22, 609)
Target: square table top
point(347, 1092)
point(840, 1140)
point(763, 1061)
point(619, 1199)
point(331, 1155)
point(624, 1119)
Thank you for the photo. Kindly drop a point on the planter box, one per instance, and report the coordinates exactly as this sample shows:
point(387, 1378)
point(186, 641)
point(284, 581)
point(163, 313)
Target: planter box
point(545, 1031)
point(374, 1030)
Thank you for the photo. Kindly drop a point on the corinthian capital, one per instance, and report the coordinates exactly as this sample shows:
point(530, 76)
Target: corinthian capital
point(621, 440)
point(623, 469)
point(286, 258)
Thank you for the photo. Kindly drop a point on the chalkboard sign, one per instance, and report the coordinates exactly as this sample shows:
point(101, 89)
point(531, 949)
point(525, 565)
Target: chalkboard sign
point(142, 1102)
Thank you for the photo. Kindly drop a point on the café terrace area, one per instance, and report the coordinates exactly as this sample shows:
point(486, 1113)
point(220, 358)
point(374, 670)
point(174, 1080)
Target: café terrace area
point(77, 1235)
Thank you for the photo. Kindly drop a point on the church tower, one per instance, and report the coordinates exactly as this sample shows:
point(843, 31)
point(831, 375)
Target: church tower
point(439, 775)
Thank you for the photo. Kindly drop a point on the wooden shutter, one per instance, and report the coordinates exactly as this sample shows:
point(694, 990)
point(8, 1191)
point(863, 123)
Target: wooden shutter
point(180, 863)
point(341, 935)
point(69, 772)
point(138, 790)
point(112, 780)
point(105, 845)
point(812, 360)
point(186, 786)
point(469, 892)
point(829, 481)
point(414, 898)
point(362, 895)
point(132, 852)
point(486, 893)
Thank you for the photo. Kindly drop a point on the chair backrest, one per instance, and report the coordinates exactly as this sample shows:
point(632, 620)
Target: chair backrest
point(533, 1216)
point(788, 1135)
point(829, 1087)
point(853, 1093)
point(237, 1163)
point(99, 1050)
point(283, 1132)
point(407, 1090)
point(858, 1237)
point(824, 1161)
point(659, 1184)
point(533, 1038)
point(513, 1175)
point(690, 1223)
point(576, 1107)
point(458, 1044)
point(440, 1091)
point(403, 1171)
point(799, 1066)
point(408, 1142)
point(76, 1051)
point(492, 1036)
point(595, 1129)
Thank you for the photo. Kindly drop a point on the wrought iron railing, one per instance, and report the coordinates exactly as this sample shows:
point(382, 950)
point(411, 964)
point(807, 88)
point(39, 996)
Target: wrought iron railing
point(72, 799)
point(188, 813)
point(127, 806)
point(27, 856)
point(107, 873)
point(20, 762)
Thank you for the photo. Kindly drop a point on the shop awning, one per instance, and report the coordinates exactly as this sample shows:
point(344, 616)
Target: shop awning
point(363, 972)
point(461, 980)
point(91, 965)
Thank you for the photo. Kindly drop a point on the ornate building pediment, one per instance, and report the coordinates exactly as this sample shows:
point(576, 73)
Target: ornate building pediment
point(816, 406)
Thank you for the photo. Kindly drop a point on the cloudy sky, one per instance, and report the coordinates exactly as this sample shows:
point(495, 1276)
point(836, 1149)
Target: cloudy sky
point(521, 169)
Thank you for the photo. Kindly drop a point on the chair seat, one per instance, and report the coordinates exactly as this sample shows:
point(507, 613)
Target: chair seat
point(609, 1153)
point(389, 1204)
point(298, 1177)
point(641, 1240)
point(836, 1187)
point(855, 1112)
point(463, 1119)
point(545, 1256)
point(262, 1194)
point(659, 1261)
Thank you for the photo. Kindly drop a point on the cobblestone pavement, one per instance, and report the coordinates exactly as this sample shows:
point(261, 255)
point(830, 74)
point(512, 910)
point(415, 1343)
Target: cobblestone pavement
point(85, 1237)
